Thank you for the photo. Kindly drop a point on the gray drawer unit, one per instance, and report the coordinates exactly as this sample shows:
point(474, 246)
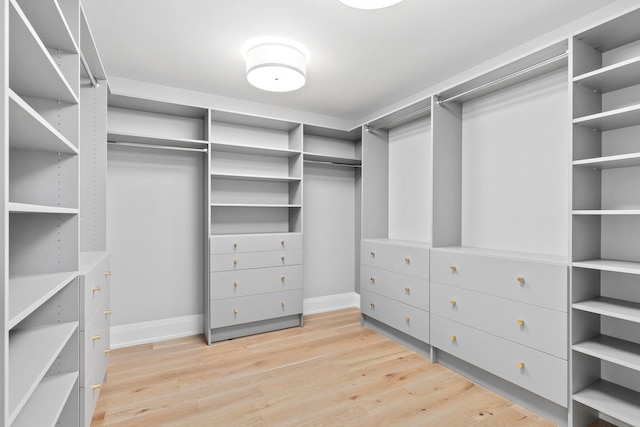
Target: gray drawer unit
point(533, 370)
point(226, 244)
point(403, 317)
point(229, 284)
point(405, 258)
point(96, 339)
point(538, 283)
point(536, 327)
point(242, 261)
point(253, 308)
point(91, 392)
point(400, 287)
point(94, 284)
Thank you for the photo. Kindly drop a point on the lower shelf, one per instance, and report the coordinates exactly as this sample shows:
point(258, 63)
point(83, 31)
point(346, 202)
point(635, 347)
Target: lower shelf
point(47, 402)
point(611, 399)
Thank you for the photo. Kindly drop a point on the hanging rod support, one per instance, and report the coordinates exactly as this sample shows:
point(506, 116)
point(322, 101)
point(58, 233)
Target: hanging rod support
point(159, 147)
point(398, 119)
point(85, 64)
point(507, 77)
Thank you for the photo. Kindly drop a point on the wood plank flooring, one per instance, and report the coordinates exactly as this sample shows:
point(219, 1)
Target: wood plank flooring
point(331, 372)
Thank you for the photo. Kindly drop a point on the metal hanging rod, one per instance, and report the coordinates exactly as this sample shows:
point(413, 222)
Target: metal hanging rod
point(398, 119)
point(85, 64)
point(343, 165)
point(159, 147)
point(507, 77)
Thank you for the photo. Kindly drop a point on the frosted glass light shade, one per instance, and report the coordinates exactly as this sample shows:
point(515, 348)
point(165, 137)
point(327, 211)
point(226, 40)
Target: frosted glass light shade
point(370, 4)
point(276, 66)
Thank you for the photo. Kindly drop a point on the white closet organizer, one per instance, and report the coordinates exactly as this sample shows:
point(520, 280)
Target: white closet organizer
point(499, 265)
point(255, 248)
point(606, 222)
point(41, 353)
point(396, 234)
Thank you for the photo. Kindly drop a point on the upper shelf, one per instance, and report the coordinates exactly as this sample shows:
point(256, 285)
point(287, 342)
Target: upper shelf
point(253, 149)
point(345, 161)
point(253, 121)
point(262, 178)
point(614, 33)
point(628, 267)
point(613, 119)
point(151, 140)
point(32, 72)
point(47, 401)
point(612, 349)
point(49, 22)
point(89, 49)
point(610, 162)
point(613, 77)
point(153, 106)
point(610, 307)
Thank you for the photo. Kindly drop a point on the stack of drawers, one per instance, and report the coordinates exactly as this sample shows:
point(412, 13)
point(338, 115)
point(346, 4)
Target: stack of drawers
point(253, 278)
point(394, 285)
point(506, 316)
point(94, 329)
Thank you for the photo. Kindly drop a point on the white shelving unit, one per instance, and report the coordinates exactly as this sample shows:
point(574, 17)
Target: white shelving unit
point(606, 263)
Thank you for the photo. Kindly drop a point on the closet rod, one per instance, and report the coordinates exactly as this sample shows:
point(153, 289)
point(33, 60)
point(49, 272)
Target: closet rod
point(507, 77)
point(159, 147)
point(398, 119)
point(343, 165)
point(85, 64)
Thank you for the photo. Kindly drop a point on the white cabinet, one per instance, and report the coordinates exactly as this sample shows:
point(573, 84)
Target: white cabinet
point(606, 221)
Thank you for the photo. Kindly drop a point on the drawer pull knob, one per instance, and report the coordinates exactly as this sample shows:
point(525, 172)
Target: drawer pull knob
point(453, 338)
point(521, 279)
point(107, 312)
point(282, 258)
point(235, 262)
point(235, 283)
point(107, 274)
point(520, 365)
point(373, 254)
point(96, 289)
point(521, 322)
point(107, 351)
point(407, 260)
point(454, 268)
point(407, 290)
point(96, 387)
point(373, 279)
point(282, 242)
point(95, 338)
point(453, 303)
point(407, 319)
point(235, 311)
point(282, 303)
point(282, 278)
point(235, 244)
point(373, 305)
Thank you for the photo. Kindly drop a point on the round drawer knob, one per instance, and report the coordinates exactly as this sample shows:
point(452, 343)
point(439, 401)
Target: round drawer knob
point(107, 312)
point(521, 279)
point(373, 254)
point(453, 303)
point(96, 289)
point(372, 305)
point(520, 322)
point(95, 338)
point(235, 311)
point(235, 262)
point(407, 260)
point(407, 290)
point(453, 337)
point(107, 274)
point(96, 387)
point(235, 283)
point(454, 268)
point(520, 365)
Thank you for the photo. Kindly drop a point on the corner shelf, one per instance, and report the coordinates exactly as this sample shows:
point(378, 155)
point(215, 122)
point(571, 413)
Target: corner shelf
point(47, 401)
point(614, 350)
point(614, 400)
point(613, 77)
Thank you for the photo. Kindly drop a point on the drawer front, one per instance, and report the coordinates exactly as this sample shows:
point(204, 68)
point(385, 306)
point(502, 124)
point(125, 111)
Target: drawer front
point(94, 286)
point(538, 372)
point(400, 287)
point(401, 259)
point(405, 318)
point(537, 327)
point(237, 311)
point(234, 262)
point(96, 339)
point(90, 392)
point(229, 284)
point(238, 243)
point(536, 283)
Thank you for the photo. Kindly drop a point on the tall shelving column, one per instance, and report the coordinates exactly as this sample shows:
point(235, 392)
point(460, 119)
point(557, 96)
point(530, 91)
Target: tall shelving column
point(41, 357)
point(606, 221)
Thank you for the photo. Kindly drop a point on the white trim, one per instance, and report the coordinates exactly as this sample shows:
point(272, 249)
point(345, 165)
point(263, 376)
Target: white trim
point(155, 330)
point(331, 303)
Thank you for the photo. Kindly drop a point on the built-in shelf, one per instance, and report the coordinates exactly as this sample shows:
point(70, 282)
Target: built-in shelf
point(611, 162)
point(620, 352)
point(27, 293)
point(246, 177)
point(628, 267)
point(47, 401)
point(151, 140)
point(610, 307)
point(613, 77)
point(253, 205)
point(323, 158)
point(605, 212)
point(28, 208)
point(613, 119)
point(49, 22)
point(32, 71)
point(503, 254)
point(253, 149)
point(611, 399)
point(27, 367)
point(30, 131)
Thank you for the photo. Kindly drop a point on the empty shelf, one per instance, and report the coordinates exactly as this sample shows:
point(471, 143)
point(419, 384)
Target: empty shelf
point(628, 267)
point(613, 77)
point(29, 208)
point(48, 20)
point(611, 162)
point(246, 177)
point(620, 352)
point(614, 119)
point(611, 399)
point(615, 308)
point(253, 149)
point(154, 140)
point(47, 401)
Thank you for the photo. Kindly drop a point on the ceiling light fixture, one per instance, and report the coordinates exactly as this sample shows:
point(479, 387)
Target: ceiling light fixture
point(276, 64)
point(370, 4)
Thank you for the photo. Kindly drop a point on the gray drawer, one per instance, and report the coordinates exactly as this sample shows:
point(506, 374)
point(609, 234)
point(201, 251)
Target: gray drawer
point(96, 339)
point(533, 370)
point(405, 318)
point(240, 310)
point(94, 285)
point(531, 282)
point(410, 260)
point(229, 284)
point(537, 327)
point(400, 287)
point(242, 261)
point(240, 243)
point(90, 391)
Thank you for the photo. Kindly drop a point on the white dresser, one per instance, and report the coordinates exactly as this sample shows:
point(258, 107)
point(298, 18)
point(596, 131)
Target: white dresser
point(394, 285)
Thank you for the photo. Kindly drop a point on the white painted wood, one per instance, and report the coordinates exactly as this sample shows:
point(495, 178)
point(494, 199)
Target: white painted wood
point(611, 399)
point(607, 212)
point(610, 265)
point(252, 149)
point(28, 208)
point(618, 309)
point(614, 119)
point(113, 136)
point(128, 123)
point(402, 317)
point(316, 157)
point(230, 219)
point(47, 19)
point(611, 162)
point(229, 284)
point(375, 184)
point(395, 256)
point(620, 352)
point(247, 177)
point(254, 308)
point(254, 243)
point(613, 77)
point(250, 260)
point(47, 402)
point(400, 287)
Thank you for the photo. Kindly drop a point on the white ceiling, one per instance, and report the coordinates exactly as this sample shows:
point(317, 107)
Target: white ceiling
point(361, 60)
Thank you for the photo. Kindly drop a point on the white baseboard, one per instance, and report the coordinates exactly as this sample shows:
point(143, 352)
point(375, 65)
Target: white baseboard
point(164, 329)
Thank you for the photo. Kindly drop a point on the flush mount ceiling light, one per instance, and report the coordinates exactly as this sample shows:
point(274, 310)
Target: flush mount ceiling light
point(276, 64)
point(370, 4)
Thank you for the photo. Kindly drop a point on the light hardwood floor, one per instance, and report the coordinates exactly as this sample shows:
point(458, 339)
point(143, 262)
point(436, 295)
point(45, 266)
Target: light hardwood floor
point(331, 372)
